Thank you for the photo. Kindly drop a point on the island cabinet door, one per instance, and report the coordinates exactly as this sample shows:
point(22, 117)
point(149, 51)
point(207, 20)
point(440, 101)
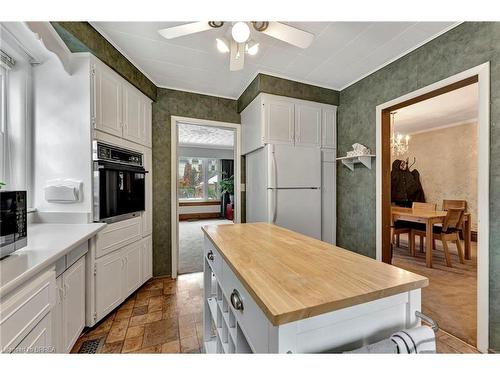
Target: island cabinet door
point(251, 319)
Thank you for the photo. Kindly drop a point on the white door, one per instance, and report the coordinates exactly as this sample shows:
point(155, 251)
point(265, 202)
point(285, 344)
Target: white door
point(133, 268)
point(329, 128)
point(293, 167)
point(328, 202)
point(133, 115)
point(108, 101)
point(279, 121)
point(108, 282)
point(298, 210)
point(307, 125)
point(73, 303)
point(147, 259)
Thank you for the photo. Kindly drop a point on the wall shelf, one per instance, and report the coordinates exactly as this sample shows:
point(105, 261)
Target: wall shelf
point(349, 161)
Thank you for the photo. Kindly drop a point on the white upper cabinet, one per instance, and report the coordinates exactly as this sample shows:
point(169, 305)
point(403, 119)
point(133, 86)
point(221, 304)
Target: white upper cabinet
point(329, 128)
point(307, 125)
point(279, 121)
point(133, 115)
point(108, 101)
point(119, 108)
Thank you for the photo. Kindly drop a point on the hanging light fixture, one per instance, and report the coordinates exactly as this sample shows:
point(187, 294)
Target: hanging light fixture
point(399, 142)
point(240, 32)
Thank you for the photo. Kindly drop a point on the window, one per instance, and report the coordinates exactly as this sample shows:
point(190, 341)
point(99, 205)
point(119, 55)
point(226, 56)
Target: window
point(198, 179)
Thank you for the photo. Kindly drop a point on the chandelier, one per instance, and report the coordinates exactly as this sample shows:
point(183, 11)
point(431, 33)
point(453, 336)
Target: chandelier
point(399, 142)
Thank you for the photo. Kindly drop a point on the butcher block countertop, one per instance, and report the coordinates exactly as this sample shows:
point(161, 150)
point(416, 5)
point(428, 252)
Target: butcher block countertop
point(293, 277)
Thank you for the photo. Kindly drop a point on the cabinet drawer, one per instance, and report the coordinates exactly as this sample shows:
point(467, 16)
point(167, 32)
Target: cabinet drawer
point(76, 254)
point(117, 235)
point(213, 257)
point(39, 340)
point(20, 313)
point(252, 320)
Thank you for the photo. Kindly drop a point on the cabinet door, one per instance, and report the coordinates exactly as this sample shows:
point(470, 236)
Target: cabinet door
point(328, 197)
point(58, 316)
point(108, 283)
point(133, 268)
point(133, 115)
point(329, 128)
point(279, 120)
point(147, 123)
point(147, 259)
point(147, 215)
point(73, 303)
point(108, 101)
point(307, 125)
point(40, 339)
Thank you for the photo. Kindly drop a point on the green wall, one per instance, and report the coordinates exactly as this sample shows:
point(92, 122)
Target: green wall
point(285, 87)
point(82, 37)
point(466, 46)
point(185, 104)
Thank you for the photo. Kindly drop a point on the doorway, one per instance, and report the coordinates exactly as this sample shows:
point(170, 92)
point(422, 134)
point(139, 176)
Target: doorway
point(205, 185)
point(385, 212)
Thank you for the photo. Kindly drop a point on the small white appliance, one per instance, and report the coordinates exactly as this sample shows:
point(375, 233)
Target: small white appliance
point(284, 187)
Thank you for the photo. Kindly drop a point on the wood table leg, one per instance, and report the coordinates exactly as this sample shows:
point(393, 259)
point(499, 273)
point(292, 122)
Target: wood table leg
point(428, 243)
point(467, 238)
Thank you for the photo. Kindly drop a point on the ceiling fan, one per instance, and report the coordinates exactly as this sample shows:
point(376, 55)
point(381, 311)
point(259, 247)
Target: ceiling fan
point(240, 42)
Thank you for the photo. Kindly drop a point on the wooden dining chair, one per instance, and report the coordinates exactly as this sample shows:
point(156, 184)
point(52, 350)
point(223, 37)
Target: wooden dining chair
point(456, 203)
point(448, 232)
point(403, 227)
point(421, 206)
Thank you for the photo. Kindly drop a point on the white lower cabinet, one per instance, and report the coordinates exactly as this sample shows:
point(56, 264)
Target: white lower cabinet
point(70, 308)
point(39, 340)
point(119, 274)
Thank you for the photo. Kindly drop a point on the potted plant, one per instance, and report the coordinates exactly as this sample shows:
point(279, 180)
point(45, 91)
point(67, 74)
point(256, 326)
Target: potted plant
point(227, 186)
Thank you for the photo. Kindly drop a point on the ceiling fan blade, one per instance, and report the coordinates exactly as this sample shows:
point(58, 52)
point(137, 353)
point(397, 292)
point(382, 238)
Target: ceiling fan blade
point(237, 56)
point(289, 34)
point(186, 29)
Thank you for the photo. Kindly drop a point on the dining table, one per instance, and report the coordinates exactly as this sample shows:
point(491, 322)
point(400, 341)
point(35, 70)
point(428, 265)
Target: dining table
point(431, 218)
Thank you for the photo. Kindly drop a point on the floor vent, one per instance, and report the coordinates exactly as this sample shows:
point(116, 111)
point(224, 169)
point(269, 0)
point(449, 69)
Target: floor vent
point(91, 346)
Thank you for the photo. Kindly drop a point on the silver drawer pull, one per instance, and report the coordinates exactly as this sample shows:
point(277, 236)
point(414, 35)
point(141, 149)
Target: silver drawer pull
point(236, 300)
point(210, 256)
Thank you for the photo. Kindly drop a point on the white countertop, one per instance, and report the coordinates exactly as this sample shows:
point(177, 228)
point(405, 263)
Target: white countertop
point(46, 244)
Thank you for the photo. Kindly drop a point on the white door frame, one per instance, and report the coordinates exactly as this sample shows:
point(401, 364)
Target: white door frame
point(174, 120)
point(483, 159)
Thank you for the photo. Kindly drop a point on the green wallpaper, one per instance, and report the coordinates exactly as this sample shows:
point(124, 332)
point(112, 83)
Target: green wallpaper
point(82, 37)
point(464, 47)
point(284, 87)
point(175, 103)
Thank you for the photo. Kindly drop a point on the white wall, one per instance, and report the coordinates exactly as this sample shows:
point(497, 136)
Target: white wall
point(62, 133)
point(201, 152)
point(199, 209)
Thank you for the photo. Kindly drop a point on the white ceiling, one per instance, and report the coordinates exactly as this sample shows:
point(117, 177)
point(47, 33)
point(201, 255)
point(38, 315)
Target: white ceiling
point(341, 53)
point(453, 108)
point(205, 136)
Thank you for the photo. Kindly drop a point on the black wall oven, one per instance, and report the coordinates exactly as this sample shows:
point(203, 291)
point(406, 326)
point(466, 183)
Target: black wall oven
point(119, 183)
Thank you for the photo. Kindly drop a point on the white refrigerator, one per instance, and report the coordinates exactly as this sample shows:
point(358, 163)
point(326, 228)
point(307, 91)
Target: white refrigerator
point(283, 186)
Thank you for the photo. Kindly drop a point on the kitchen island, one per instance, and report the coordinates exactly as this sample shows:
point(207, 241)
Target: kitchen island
point(270, 290)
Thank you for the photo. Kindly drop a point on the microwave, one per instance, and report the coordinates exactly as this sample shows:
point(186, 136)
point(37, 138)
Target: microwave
point(13, 219)
point(119, 183)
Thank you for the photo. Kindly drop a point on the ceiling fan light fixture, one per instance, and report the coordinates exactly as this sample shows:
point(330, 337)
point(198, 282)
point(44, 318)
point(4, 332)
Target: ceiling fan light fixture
point(240, 32)
point(252, 48)
point(222, 45)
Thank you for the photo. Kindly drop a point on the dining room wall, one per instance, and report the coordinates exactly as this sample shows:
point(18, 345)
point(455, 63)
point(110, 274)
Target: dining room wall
point(468, 45)
point(446, 159)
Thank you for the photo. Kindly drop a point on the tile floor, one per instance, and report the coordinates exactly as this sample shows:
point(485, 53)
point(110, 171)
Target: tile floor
point(165, 316)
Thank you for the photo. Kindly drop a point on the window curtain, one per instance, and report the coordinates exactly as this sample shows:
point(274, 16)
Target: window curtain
point(227, 170)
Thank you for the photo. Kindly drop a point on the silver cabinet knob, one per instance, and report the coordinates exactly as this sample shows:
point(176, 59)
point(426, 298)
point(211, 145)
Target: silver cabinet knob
point(236, 300)
point(210, 256)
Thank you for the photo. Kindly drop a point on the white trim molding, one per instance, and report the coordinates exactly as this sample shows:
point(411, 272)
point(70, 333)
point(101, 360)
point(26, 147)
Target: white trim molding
point(483, 159)
point(174, 120)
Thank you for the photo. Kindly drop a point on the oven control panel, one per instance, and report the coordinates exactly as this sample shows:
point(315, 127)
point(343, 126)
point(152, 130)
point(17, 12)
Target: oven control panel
point(107, 152)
